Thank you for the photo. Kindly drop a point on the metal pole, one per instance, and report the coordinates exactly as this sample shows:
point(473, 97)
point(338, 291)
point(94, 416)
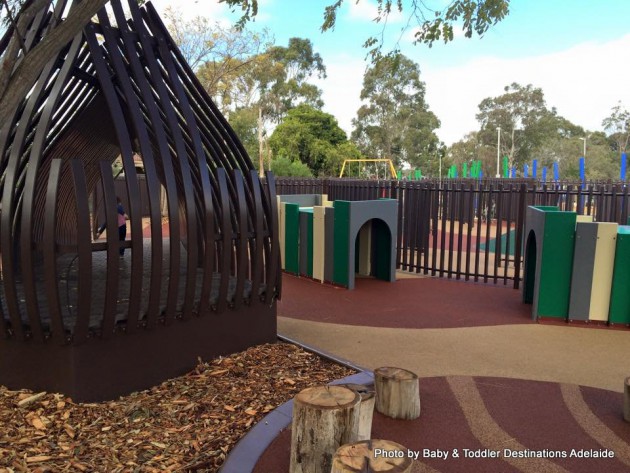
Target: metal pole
point(498, 151)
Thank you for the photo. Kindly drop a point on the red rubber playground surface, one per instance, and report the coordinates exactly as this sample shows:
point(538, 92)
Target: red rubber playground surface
point(529, 426)
point(406, 303)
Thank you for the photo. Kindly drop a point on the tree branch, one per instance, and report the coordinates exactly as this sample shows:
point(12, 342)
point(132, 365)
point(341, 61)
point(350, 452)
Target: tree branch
point(27, 73)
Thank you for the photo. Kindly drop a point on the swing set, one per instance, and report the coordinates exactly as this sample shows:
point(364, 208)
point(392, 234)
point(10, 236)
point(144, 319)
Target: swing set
point(387, 161)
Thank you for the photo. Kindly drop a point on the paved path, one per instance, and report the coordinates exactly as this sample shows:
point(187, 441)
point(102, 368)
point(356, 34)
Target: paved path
point(589, 357)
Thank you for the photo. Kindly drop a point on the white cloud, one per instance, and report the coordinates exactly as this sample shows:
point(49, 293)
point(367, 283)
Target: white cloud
point(191, 8)
point(367, 10)
point(583, 83)
point(342, 88)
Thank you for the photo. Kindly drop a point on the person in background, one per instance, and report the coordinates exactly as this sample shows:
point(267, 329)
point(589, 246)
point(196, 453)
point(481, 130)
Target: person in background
point(122, 226)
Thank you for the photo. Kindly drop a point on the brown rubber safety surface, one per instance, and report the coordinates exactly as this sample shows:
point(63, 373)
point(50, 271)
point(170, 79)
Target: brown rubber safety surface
point(405, 303)
point(561, 423)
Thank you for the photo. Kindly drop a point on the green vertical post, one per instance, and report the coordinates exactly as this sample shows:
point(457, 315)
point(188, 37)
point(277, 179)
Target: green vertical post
point(557, 264)
point(342, 243)
point(309, 250)
point(399, 174)
point(620, 293)
point(292, 237)
point(506, 167)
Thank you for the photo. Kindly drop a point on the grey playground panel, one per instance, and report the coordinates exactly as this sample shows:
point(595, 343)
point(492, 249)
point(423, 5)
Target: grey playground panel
point(582, 275)
point(534, 221)
point(363, 211)
point(303, 200)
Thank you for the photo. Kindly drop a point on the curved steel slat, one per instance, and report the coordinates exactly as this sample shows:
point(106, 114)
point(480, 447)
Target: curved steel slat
point(226, 241)
point(50, 255)
point(124, 140)
point(242, 259)
point(199, 161)
point(113, 245)
point(184, 169)
point(9, 207)
point(256, 250)
point(274, 277)
point(84, 251)
point(30, 188)
point(145, 150)
point(168, 172)
point(223, 128)
point(135, 75)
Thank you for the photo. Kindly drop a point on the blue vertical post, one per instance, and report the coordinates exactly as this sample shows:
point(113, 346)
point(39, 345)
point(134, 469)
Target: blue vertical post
point(622, 171)
point(513, 173)
point(582, 169)
point(535, 169)
point(544, 174)
point(556, 173)
point(525, 171)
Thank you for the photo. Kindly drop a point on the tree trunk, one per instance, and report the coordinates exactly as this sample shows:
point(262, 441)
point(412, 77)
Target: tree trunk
point(397, 393)
point(371, 456)
point(324, 418)
point(626, 400)
point(367, 409)
point(21, 80)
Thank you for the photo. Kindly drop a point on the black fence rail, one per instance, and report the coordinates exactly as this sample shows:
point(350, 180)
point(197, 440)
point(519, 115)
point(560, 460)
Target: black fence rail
point(468, 228)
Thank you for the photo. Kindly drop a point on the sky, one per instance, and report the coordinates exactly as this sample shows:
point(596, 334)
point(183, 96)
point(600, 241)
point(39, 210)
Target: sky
point(576, 51)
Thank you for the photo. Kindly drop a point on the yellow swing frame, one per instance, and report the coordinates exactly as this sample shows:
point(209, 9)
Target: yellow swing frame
point(389, 161)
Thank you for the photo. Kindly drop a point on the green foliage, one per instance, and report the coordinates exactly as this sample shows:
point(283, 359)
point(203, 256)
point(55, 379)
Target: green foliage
point(395, 121)
point(471, 149)
point(617, 124)
point(525, 121)
point(244, 121)
point(314, 138)
point(284, 167)
point(288, 86)
point(239, 75)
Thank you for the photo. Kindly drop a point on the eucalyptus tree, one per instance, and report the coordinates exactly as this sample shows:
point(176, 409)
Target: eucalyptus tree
point(394, 121)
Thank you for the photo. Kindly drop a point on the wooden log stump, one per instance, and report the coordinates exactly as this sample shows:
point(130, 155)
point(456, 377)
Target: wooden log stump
point(367, 409)
point(626, 400)
point(371, 456)
point(397, 393)
point(324, 418)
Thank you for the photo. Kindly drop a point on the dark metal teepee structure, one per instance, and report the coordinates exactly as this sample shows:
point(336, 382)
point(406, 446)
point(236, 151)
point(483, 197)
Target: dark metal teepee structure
point(75, 316)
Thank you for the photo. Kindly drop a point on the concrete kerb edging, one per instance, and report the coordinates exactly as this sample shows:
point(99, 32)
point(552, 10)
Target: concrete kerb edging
point(250, 448)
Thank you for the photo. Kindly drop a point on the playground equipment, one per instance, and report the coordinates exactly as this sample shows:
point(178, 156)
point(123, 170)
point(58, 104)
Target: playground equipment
point(391, 168)
point(76, 317)
point(331, 241)
point(576, 269)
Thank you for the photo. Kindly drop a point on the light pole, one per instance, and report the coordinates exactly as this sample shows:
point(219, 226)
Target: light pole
point(498, 151)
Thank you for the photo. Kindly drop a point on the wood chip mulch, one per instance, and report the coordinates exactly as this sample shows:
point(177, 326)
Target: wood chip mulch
point(185, 424)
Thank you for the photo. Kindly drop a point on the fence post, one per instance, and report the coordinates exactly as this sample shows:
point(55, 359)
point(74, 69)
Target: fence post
point(520, 226)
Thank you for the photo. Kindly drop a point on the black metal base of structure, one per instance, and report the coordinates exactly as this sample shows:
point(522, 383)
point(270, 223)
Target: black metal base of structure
point(100, 370)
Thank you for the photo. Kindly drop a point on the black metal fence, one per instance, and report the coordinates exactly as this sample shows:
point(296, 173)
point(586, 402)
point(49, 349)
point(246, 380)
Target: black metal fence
point(465, 228)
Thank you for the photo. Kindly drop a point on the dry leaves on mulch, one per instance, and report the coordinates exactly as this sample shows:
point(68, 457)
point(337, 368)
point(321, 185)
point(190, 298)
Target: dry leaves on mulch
point(185, 424)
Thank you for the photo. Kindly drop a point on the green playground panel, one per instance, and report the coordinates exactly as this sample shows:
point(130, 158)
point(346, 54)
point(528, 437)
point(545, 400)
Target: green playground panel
point(620, 293)
point(341, 240)
point(292, 237)
point(557, 263)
